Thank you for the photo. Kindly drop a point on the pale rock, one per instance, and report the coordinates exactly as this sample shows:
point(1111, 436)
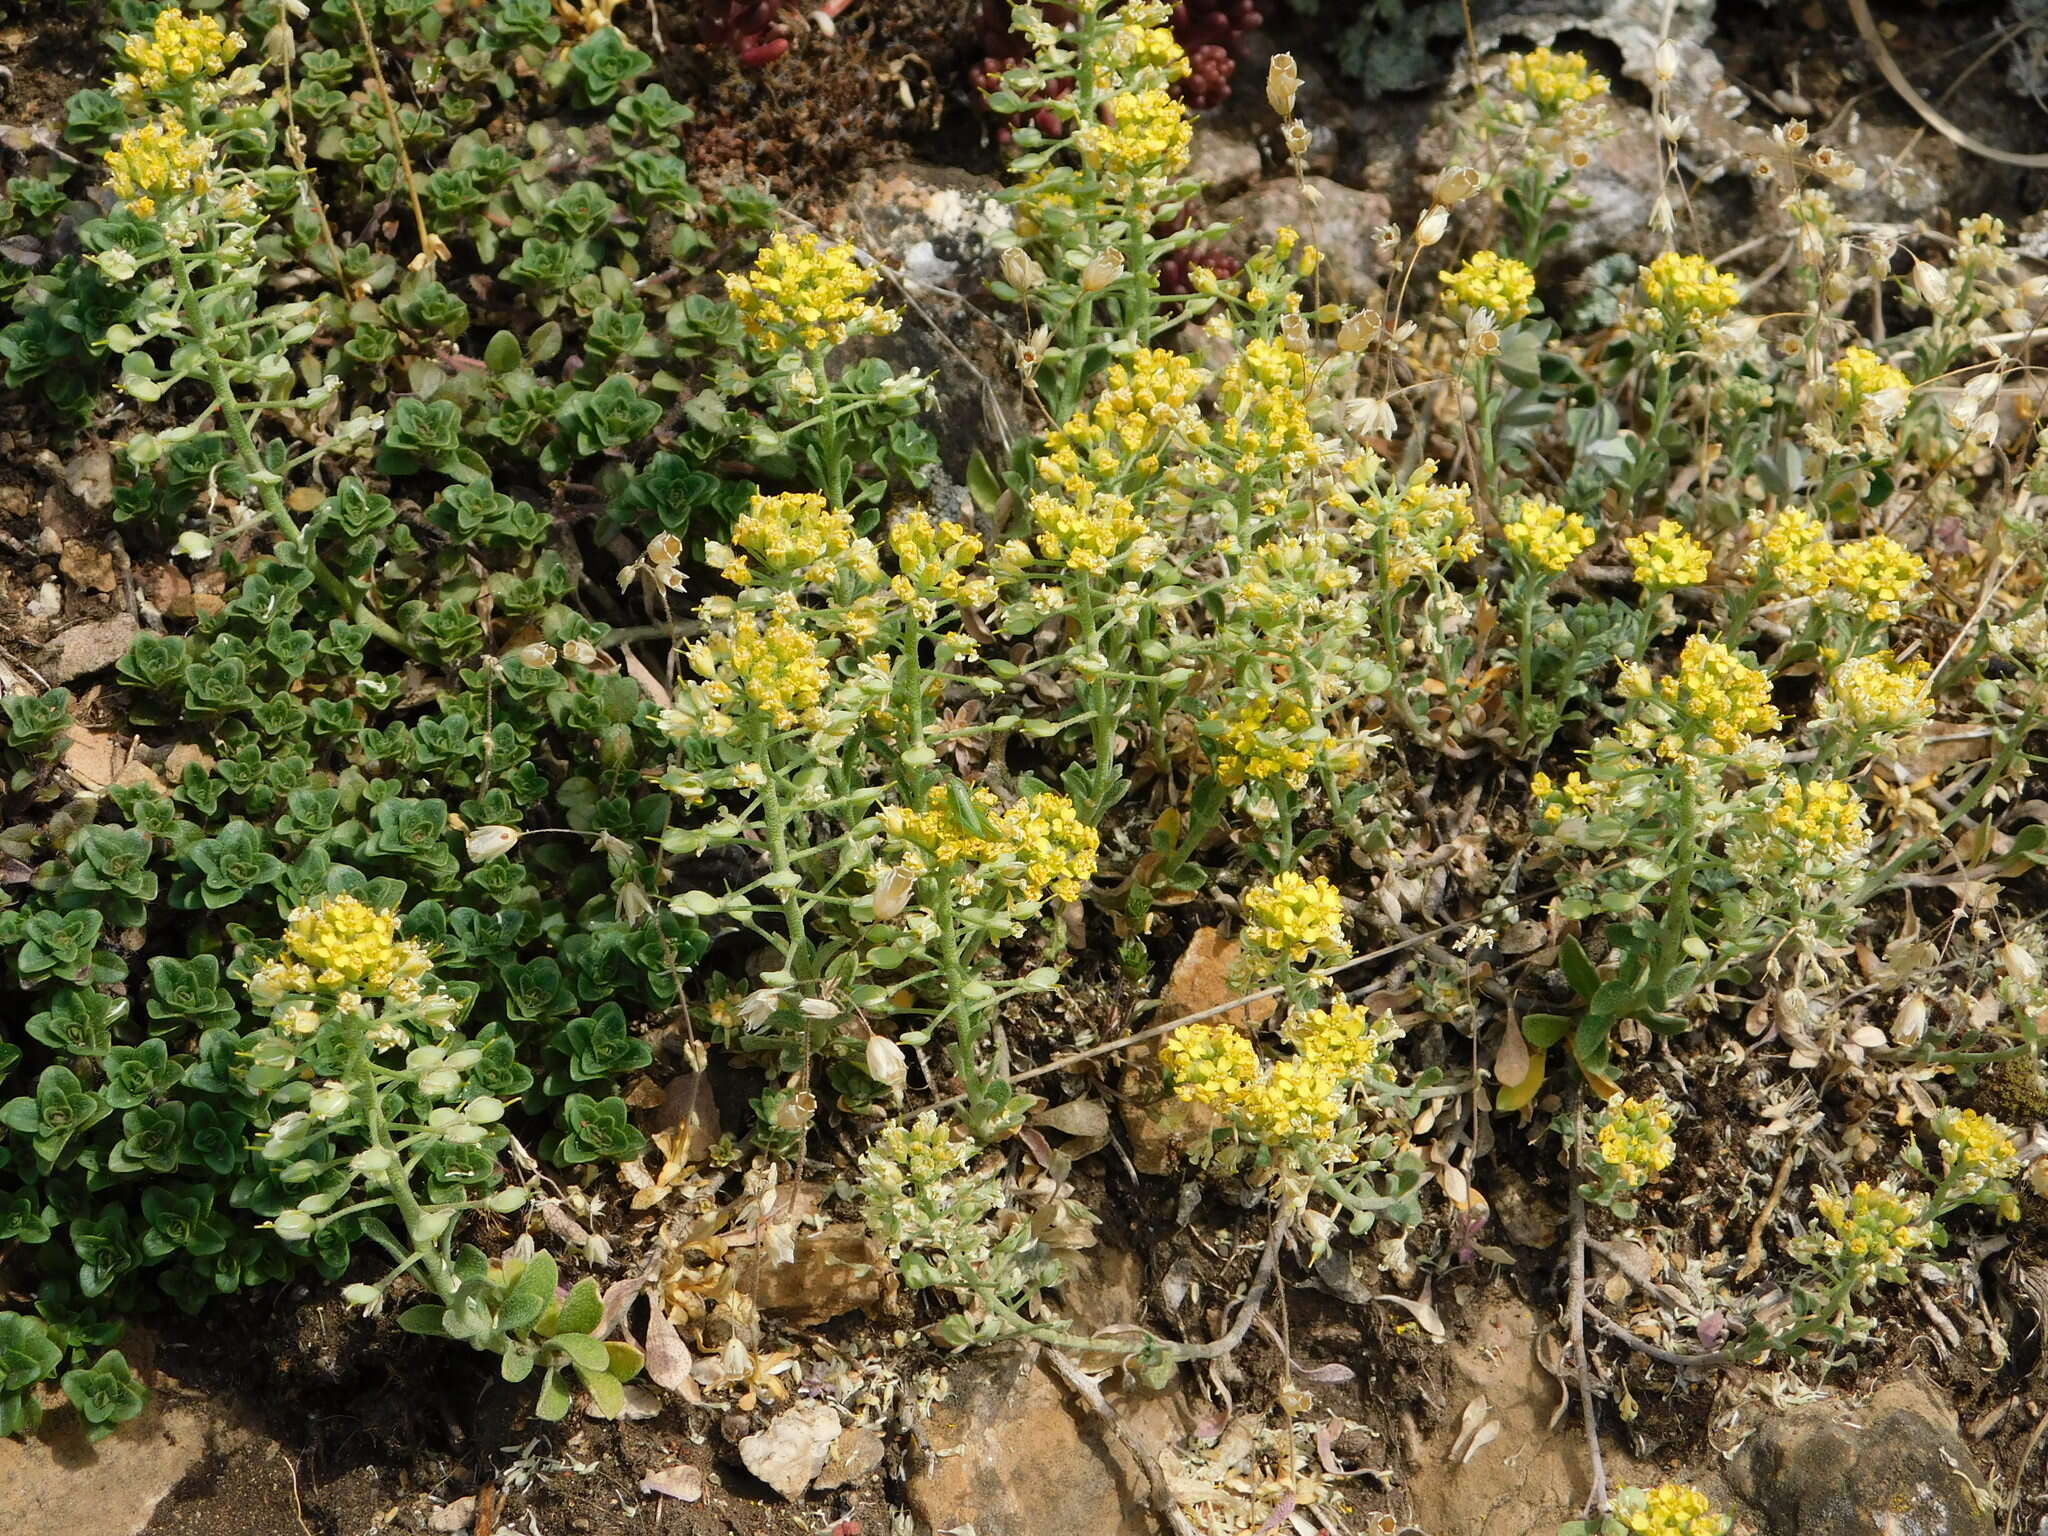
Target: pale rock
point(1339, 220)
point(790, 1453)
point(84, 649)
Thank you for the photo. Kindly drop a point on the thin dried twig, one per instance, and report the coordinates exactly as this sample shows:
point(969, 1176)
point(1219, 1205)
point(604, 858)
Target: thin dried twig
point(1643, 1346)
point(1753, 1256)
point(1889, 67)
point(432, 248)
point(1596, 1500)
point(2019, 1472)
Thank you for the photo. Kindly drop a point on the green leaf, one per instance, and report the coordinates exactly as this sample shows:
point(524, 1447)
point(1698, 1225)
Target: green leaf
point(1579, 969)
point(607, 1395)
point(1544, 1030)
point(553, 1402)
point(529, 1295)
point(582, 1311)
point(588, 1353)
point(432, 1320)
point(517, 1364)
point(982, 483)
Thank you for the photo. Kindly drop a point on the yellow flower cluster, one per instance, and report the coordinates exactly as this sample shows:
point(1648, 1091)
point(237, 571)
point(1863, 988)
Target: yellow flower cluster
point(1545, 535)
point(1261, 743)
point(1349, 1040)
point(340, 943)
point(1721, 693)
point(1816, 822)
point(1877, 693)
point(1093, 533)
point(1286, 581)
point(1688, 290)
point(1264, 398)
point(1975, 1150)
point(1293, 916)
point(158, 162)
point(1299, 1095)
point(177, 50)
point(1793, 552)
point(904, 1160)
point(1144, 405)
point(1038, 845)
point(1671, 1509)
point(1861, 374)
point(932, 561)
point(1576, 796)
point(1877, 1225)
point(1491, 281)
point(779, 668)
point(807, 296)
point(1137, 54)
point(1554, 80)
point(1877, 575)
point(1632, 1140)
point(1427, 526)
point(1667, 556)
point(791, 535)
point(1142, 145)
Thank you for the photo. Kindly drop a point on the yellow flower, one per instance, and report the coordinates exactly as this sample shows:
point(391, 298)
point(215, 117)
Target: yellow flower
point(156, 162)
point(794, 534)
point(1877, 1226)
point(1264, 400)
point(1426, 526)
point(1861, 374)
point(1722, 694)
point(778, 667)
point(1671, 1509)
point(1546, 535)
point(1491, 281)
point(1349, 1041)
point(1876, 693)
point(1297, 1097)
point(1045, 834)
point(1792, 552)
point(1632, 1140)
point(1038, 846)
point(932, 561)
point(1091, 534)
point(177, 50)
point(1210, 1064)
point(341, 944)
point(1688, 290)
point(1576, 796)
point(1143, 144)
point(1976, 1151)
point(1261, 743)
point(1554, 80)
point(806, 296)
point(1146, 404)
point(1877, 575)
point(1667, 556)
point(1292, 916)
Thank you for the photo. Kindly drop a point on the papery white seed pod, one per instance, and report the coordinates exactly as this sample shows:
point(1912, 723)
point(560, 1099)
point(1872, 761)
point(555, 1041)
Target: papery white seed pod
point(1430, 228)
point(580, 652)
point(1104, 268)
point(1911, 1024)
point(1283, 80)
point(892, 893)
point(492, 842)
point(539, 654)
point(1357, 333)
point(1456, 183)
point(1294, 333)
point(1665, 65)
point(2019, 963)
point(1368, 417)
point(1020, 271)
point(1931, 283)
point(885, 1063)
point(1294, 134)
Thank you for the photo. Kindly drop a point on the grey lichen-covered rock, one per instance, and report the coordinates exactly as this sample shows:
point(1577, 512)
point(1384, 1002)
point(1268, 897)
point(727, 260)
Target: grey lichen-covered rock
point(1892, 1465)
point(1340, 220)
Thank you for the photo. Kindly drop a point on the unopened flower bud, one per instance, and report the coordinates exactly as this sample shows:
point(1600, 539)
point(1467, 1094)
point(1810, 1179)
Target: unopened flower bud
point(1665, 66)
point(1430, 228)
point(1283, 80)
point(1931, 283)
point(885, 1063)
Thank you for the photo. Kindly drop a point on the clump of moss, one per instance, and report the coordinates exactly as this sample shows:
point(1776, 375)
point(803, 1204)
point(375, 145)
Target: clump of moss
point(2014, 1090)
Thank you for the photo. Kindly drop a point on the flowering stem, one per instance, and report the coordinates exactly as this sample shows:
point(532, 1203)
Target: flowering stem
point(362, 1077)
point(230, 408)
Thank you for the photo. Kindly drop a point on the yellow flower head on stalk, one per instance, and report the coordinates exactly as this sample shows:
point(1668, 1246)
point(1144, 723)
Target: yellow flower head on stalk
point(1260, 742)
point(1350, 1041)
point(1877, 576)
point(1975, 1150)
point(1490, 281)
point(1210, 1064)
point(1576, 796)
point(1264, 399)
point(1667, 556)
point(1038, 845)
point(1293, 916)
point(1427, 526)
point(1671, 1509)
point(176, 51)
point(1793, 553)
point(1877, 693)
point(907, 1159)
point(1688, 290)
point(1632, 1140)
point(1091, 534)
point(1045, 834)
point(1140, 56)
point(1721, 693)
point(806, 296)
point(794, 534)
point(932, 561)
point(1877, 1225)
point(778, 667)
point(340, 943)
point(1146, 403)
point(158, 162)
point(1545, 535)
point(1554, 80)
point(1143, 145)
point(1860, 374)
point(1297, 1097)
